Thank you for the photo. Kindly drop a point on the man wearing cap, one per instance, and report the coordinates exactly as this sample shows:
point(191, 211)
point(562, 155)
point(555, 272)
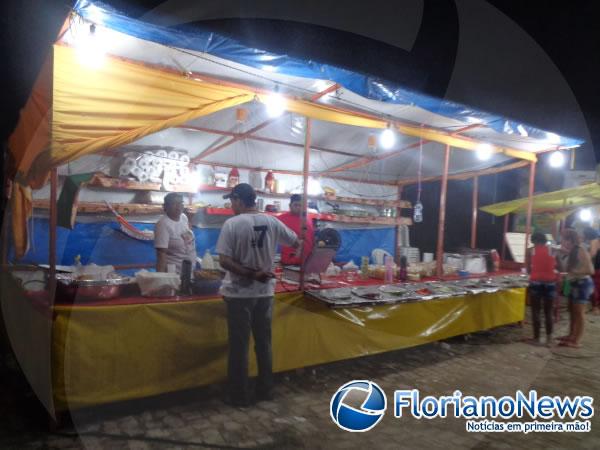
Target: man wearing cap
point(174, 241)
point(293, 220)
point(246, 249)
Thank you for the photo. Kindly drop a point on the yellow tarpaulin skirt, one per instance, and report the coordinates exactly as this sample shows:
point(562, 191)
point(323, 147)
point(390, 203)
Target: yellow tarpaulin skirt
point(107, 354)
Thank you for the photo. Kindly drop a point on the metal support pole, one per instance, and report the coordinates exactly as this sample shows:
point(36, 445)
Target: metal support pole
point(529, 203)
point(474, 212)
point(52, 234)
point(398, 226)
point(305, 170)
point(505, 230)
point(442, 216)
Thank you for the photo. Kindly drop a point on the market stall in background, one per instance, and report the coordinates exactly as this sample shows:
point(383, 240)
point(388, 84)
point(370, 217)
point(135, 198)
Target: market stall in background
point(125, 112)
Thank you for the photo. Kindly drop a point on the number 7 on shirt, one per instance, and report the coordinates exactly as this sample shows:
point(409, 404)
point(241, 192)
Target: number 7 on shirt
point(260, 231)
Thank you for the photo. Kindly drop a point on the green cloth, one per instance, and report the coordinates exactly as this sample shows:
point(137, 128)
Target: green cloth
point(66, 207)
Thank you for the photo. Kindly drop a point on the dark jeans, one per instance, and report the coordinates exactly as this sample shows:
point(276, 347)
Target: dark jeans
point(542, 295)
point(243, 315)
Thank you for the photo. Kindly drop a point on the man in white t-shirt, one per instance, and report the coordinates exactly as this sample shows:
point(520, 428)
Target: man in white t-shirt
point(246, 249)
point(173, 239)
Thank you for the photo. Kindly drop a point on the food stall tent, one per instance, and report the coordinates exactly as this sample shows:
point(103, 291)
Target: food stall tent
point(113, 85)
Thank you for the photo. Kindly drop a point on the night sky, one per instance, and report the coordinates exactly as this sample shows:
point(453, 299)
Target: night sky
point(566, 31)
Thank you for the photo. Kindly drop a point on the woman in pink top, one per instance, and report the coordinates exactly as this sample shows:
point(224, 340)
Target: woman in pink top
point(542, 285)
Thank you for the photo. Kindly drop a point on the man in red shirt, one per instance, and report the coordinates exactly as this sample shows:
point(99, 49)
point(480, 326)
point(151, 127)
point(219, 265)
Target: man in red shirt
point(293, 220)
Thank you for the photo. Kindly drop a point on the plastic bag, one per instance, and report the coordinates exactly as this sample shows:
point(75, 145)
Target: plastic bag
point(157, 284)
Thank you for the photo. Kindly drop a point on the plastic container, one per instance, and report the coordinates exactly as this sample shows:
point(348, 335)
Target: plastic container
point(157, 284)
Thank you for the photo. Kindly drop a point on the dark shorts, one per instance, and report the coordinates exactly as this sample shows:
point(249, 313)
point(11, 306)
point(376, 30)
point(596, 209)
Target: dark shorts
point(581, 290)
point(542, 289)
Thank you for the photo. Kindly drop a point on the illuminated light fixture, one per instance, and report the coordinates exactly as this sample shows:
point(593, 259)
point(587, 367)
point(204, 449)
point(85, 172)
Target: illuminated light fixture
point(474, 120)
point(314, 187)
point(195, 179)
point(522, 131)
point(484, 151)
point(90, 49)
point(585, 215)
point(275, 104)
point(552, 138)
point(557, 159)
point(387, 138)
point(270, 68)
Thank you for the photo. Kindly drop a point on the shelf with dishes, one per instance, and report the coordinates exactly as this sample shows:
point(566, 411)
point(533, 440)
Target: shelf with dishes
point(100, 180)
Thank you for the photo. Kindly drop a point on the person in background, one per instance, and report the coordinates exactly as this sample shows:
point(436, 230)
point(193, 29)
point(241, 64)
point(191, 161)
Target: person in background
point(246, 248)
point(293, 220)
point(542, 284)
point(174, 241)
point(578, 267)
point(592, 237)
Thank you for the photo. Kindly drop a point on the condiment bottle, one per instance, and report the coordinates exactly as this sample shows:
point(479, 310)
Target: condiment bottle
point(234, 178)
point(364, 267)
point(270, 182)
point(186, 277)
point(389, 269)
point(402, 273)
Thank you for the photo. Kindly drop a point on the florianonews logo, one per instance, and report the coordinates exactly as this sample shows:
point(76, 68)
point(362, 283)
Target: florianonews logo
point(358, 405)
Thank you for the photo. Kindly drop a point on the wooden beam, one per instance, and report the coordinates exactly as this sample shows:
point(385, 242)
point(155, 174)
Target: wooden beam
point(470, 174)
point(442, 216)
point(265, 139)
point(364, 160)
point(304, 218)
point(474, 212)
point(239, 137)
point(504, 231)
point(52, 234)
point(529, 204)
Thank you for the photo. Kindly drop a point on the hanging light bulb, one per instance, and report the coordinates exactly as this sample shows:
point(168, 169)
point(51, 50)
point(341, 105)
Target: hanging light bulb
point(557, 159)
point(275, 104)
point(314, 187)
point(387, 139)
point(484, 151)
point(585, 215)
point(90, 48)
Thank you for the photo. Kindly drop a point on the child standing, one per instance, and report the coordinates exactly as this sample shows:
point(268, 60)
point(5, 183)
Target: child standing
point(542, 285)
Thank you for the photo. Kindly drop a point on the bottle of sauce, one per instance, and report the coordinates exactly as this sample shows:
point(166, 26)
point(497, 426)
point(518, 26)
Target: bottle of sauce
point(402, 273)
point(389, 269)
point(186, 277)
point(364, 268)
point(270, 182)
point(234, 178)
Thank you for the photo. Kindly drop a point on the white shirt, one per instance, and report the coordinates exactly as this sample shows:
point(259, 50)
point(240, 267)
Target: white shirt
point(177, 238)
point(251, 239)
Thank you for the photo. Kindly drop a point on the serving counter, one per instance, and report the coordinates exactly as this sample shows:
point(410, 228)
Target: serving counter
point(135, 347)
